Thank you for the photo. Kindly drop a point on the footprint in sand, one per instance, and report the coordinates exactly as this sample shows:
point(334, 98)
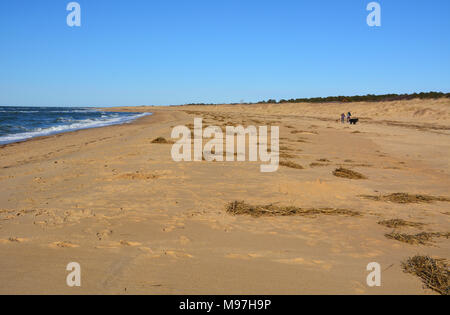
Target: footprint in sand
point(142, 175)
point(177, 254)
point(168, 228)
point(63, 245)
point(358, 287)
point(310, 263)
point(243, 256)
point(118, 245)
point(184, 240)
point(131, 244)
point(146, 250)
point(13, 240)
point(104, 234)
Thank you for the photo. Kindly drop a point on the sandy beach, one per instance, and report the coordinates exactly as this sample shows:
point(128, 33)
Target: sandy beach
point(139, 223)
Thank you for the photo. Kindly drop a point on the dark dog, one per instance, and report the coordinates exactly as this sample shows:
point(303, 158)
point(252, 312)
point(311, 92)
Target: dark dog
point(354, 121)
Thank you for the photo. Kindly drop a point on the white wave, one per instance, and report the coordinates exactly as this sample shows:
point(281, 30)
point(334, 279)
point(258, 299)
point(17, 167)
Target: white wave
point(69, 111)
point(81, 124)
point(19, 111)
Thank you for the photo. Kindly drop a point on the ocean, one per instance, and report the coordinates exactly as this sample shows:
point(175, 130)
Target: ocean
point(21, 123)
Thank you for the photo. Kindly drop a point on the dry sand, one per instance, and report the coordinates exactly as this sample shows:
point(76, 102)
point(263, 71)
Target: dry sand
point(138, 222)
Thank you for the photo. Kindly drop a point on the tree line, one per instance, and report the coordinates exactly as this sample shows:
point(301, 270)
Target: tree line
point(348, 99)
point(361, 98)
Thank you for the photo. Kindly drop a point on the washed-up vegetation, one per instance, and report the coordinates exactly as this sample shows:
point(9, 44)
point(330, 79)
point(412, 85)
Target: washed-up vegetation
point(161, 140)
point(434, 273)
point(291, 165)
point(242, 208)
point(397, 223)
point(405, 198)
point(346, 173)
point(424, 238)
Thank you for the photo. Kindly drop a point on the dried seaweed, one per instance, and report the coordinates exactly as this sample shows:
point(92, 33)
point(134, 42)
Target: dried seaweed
point(433, 272)
point(242, 208)
point(423, 238)
point(346, 173)
point(395, 223)
point(291, 165)
point(406, 198)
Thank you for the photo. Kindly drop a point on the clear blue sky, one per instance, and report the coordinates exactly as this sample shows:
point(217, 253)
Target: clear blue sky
point(136, 52)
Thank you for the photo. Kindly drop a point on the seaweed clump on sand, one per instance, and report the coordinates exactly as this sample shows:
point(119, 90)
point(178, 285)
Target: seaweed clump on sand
point(346, 173)
point(433, 272)
point(423, 238)
point(396, 223)
point(161, 140)
point(315, 164)
point(242, 208)
point(291, 165)
point(406, 198)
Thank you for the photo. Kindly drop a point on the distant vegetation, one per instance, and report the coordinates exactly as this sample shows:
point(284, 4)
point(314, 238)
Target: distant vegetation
point(356, 98)
point(362, 98)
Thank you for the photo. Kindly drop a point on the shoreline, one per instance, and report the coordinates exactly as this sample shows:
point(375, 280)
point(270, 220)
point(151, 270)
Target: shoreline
point(55, 133)
point(60, 134)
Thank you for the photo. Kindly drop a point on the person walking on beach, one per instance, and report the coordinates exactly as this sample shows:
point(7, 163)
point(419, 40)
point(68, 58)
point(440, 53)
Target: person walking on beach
point(343, 118)
point(349, 116)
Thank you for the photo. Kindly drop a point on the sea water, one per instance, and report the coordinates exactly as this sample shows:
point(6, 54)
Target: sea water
point(21, 123)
